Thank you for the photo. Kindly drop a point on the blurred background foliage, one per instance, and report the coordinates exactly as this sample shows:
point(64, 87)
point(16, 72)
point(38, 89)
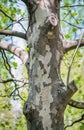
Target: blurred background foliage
point(72, 21)
point(77, 74)
point(14, 93)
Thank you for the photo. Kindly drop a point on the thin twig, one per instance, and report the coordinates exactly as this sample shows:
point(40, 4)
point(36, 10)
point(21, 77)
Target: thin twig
point(1, 10)
point(12, 80)
point(72, 6)
point(21, 24)
point(79, 27)
point(18, 94)
point(76, 121)
point(68, 75)
point(21, 97)
point(6, 63)
point(66, 15)
point(17, 88)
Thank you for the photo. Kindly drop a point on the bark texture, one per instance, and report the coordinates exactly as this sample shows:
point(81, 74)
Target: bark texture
point(48, 96)
point(19, 52)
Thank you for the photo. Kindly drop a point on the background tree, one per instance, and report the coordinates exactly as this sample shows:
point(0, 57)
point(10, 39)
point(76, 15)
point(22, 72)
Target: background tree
point(48, 95)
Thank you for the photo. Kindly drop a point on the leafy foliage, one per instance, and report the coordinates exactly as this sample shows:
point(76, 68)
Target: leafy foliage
point(72, 114)
point(71, 18)
point(72, 24)
point(18, 91)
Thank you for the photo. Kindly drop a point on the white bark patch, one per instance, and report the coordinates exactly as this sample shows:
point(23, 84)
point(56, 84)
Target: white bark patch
point(34, 35)
point(44, 95)
point(47, 48)
point(54, 111)
point(57, 56)
point(45, 60)
point(40, 16)
point(48, 5)
point(46, 98)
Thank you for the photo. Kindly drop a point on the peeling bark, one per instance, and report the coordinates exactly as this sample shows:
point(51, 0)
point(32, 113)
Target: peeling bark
point(48, 96)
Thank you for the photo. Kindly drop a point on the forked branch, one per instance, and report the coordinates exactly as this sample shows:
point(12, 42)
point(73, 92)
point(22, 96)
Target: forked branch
point(71, 89)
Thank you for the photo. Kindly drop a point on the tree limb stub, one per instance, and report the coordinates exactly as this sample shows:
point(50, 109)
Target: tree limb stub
point(13, 33)
point(71, 89)
point(22, 54)
point(70, 45)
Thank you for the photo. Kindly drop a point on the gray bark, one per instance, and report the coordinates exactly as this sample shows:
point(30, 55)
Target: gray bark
point(48, 96)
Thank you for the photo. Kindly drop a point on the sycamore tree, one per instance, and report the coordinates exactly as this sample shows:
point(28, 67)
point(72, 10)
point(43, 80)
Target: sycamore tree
point(48, 95)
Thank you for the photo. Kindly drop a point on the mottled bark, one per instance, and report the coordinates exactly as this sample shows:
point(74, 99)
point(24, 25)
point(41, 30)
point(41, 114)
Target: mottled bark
point(19, 52)
point(48, 96)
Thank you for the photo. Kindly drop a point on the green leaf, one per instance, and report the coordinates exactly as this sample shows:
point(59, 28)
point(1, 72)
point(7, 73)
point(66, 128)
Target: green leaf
point(67, 4)
point(69, 110)
point(77, 21)
point(80, 91)
point(82, 127)
point(14, 65)
point(67, 36)
point(26, 49)
point(7, 123)
point(74, 29)
point(2, 124)
point(74, 14)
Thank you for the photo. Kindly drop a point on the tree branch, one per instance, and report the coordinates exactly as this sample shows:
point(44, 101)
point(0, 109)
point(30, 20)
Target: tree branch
point(76, 104)
point(22, 54)
point(12, 80)
point(73, 25)
point(69, 92)
point(70, 45)
point(13, 33)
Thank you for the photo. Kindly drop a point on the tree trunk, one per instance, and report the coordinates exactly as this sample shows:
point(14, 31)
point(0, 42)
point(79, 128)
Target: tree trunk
point(48, 96)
